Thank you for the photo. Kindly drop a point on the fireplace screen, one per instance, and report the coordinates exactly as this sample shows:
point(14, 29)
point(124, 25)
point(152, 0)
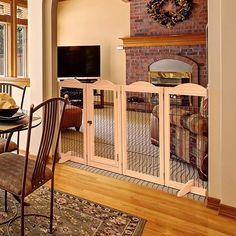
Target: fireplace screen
point(169, 79)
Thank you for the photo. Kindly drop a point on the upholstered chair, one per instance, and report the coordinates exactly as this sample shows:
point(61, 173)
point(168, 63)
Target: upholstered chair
point(21, 175)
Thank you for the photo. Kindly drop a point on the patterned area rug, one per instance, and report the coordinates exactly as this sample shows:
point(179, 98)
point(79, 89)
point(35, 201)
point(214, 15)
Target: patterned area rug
point(73, 216)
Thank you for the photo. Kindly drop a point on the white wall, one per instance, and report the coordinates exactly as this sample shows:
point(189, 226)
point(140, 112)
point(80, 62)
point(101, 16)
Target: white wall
point(222, 82)
point(228, 103)
point(35, 49)
point(41, 53)
point(92, 22)
point(215, 77)
point(35, 58)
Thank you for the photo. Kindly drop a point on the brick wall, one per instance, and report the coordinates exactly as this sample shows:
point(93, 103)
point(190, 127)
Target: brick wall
point(138, 59)
point(142, 24)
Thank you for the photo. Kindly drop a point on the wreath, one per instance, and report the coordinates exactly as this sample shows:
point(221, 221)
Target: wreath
point(169, 12)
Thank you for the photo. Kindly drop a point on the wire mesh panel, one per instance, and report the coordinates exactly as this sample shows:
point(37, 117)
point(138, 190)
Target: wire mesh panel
point(103, 120)
point(73, 146)
point(142, 133)
point(104, 127)
point(187, 139)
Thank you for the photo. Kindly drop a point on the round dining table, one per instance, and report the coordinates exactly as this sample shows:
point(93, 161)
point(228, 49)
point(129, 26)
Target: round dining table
point(10, 125)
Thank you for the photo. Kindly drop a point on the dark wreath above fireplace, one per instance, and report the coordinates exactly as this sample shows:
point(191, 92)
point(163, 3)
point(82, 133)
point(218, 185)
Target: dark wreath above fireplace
point(169, 12)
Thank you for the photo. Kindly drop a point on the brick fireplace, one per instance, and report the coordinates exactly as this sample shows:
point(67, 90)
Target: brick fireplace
point(150, 42)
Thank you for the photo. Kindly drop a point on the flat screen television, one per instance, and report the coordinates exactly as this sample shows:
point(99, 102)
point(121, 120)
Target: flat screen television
point(79, 61)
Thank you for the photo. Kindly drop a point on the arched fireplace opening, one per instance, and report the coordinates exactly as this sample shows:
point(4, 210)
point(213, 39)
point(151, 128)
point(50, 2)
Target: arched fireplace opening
point(169, 72)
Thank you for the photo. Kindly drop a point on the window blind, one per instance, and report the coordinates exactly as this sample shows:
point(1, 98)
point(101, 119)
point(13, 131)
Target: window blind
point(22, 13)
point(5, 9)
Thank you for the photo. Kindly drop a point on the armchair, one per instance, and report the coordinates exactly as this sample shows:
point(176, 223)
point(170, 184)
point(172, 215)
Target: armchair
point(188, 137)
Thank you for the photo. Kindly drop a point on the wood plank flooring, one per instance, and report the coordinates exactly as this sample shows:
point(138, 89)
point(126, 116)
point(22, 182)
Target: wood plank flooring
point(165, 213)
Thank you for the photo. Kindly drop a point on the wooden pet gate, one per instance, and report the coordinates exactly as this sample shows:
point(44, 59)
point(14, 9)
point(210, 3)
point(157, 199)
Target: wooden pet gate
point(152, 133)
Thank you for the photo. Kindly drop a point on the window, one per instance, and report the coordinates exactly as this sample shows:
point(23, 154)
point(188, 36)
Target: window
point(3, 58)
point(13, 38)
point(21, 51)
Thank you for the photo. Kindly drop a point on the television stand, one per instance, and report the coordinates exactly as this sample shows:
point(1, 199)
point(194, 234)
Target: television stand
point(76, 94)
point(98, 94)
point(87, 80)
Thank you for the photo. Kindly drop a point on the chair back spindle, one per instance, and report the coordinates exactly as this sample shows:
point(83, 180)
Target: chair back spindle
point(51, 113)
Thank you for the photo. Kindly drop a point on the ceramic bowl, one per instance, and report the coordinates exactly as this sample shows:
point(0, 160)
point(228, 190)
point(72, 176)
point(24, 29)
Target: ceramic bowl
point(8, 112)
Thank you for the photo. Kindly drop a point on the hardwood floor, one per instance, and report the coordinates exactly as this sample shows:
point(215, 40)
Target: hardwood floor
point(165, 214)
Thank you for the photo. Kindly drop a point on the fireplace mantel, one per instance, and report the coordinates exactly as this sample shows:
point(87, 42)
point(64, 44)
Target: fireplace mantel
point(164, 40)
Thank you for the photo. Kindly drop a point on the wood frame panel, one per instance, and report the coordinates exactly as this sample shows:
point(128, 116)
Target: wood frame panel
point(72, 83)
point(12, 33)
point(183, 89)
point(164, 40)
point(143, 87)
point(17, 81)
point(98, 161)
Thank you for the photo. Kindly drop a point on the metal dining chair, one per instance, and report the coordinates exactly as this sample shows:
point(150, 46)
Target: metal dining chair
point(20, 175)
point(14, 91)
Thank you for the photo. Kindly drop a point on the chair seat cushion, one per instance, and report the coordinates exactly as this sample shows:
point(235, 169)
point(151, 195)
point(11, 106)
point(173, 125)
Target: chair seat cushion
point(11, 173)
point(12, 146)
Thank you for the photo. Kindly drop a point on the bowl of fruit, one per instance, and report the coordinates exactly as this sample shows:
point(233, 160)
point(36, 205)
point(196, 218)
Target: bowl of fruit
point(8, 105)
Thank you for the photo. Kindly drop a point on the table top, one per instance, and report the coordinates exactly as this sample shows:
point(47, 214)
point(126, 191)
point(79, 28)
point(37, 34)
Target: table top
point(18, 125)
